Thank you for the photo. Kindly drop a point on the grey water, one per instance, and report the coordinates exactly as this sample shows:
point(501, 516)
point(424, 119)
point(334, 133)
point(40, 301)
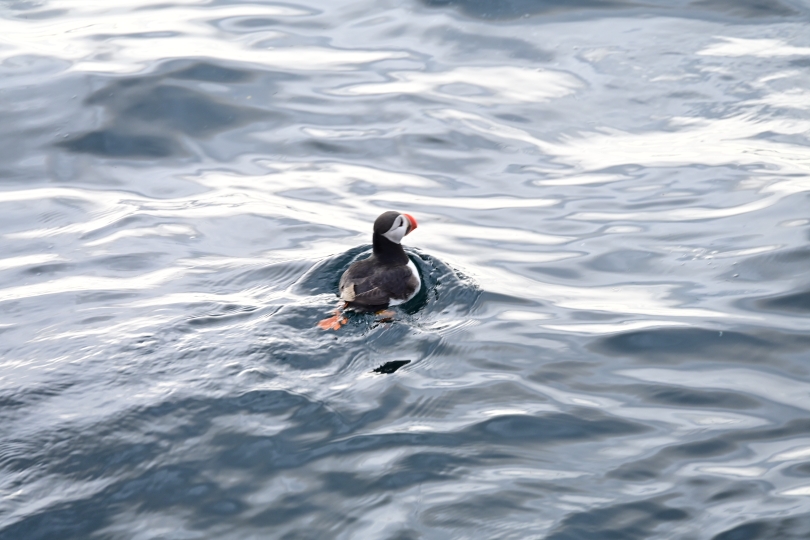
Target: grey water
point(613, 337)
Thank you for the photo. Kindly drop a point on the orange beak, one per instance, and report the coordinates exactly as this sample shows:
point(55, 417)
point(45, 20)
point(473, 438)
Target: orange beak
point(412, 222)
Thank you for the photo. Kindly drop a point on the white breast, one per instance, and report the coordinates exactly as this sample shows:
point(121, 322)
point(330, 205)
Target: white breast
point(396, 302)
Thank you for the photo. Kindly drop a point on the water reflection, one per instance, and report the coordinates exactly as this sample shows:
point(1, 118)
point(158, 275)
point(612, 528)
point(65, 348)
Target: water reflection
point(514, 9)
point(611, 340)
point(481, 85)
point(143, 113)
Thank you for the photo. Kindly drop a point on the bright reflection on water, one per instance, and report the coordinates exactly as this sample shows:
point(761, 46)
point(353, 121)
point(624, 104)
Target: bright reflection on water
point(614, 238)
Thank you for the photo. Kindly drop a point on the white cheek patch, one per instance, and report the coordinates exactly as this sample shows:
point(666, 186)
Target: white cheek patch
point(396, 234)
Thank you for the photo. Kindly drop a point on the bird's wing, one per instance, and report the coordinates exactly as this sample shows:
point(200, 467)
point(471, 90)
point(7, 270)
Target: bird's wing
point(395, 282)
point(378, 288)
point(365, 292)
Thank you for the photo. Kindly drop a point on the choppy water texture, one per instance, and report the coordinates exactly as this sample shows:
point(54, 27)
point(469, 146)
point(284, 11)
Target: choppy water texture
point(613, 205)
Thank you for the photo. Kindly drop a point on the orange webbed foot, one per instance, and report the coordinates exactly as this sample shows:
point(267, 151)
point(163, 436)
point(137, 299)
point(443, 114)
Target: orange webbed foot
point(334, 322)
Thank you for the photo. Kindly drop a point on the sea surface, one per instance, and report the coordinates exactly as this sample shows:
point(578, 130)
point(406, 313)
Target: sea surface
point(613, 339)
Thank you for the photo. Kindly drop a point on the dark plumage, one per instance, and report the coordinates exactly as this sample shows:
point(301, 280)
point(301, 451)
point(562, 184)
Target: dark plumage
point(388, 276)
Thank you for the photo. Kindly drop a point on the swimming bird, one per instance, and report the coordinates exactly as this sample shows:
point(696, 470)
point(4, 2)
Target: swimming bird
point(387, 278)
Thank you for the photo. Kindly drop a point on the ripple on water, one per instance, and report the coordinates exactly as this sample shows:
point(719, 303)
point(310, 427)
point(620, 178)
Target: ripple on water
point(443, 289)
point(623, 184)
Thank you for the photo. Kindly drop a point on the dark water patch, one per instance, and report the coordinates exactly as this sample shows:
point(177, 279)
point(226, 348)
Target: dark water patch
point(134, 262)
point(359, 341)
point(658, 464)
point(789, 528)
point(8, 402)
point(801, 62)
point(442, 405)
point(636, 520)
point(223, 315)
point(787, 430)
point(726, 445)
point(786, 264)
point(479, 511)
point(688, 96)
point(444, 463)
point(13, 400)
point(292, 449)
point(451, 143)
point(457, 142)
point(748, 8)
point(465, 42)
point(39, 15)
point(48, 269)
point(124, 222)
point(256, 22)
point(110, 143)
point(561, 371)
point(287, 509)
point(800, 470)
point(554, 428)
point(405, 535)
point(177, 487)
point(322, 147)
point(790, 257)
point(69, 520)
point(443, 288)
point(657, 204)
point(692, 397)
point(136, 35)
point(308, 435)
point(680, 344)
point(309, 194)
point(570, 274)
point(513, 9)
point(624, 260)
point(795, 303)
point(508, 117)
point(96, 297)
point(146, 114)
point(740, 491)
point(207, 72)
point(416, 469)
point(168, 487)
point(90, 452)
point(506, 10)
point(187, 111)
point(493, 357)
point(83, 457)
point(487, 297)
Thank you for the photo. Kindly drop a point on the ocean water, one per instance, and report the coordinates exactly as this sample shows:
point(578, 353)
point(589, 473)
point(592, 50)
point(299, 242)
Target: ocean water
point(613, 338)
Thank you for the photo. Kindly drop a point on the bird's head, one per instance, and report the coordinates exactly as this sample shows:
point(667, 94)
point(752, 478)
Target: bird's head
point(394, 225)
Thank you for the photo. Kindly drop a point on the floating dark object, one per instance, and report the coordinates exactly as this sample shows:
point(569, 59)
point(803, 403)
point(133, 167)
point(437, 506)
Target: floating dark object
point(390, 367)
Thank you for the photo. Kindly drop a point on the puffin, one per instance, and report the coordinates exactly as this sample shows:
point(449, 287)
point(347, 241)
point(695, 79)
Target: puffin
point(387, 278)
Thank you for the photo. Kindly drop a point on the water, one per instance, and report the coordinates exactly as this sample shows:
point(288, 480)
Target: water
point(612, 198)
